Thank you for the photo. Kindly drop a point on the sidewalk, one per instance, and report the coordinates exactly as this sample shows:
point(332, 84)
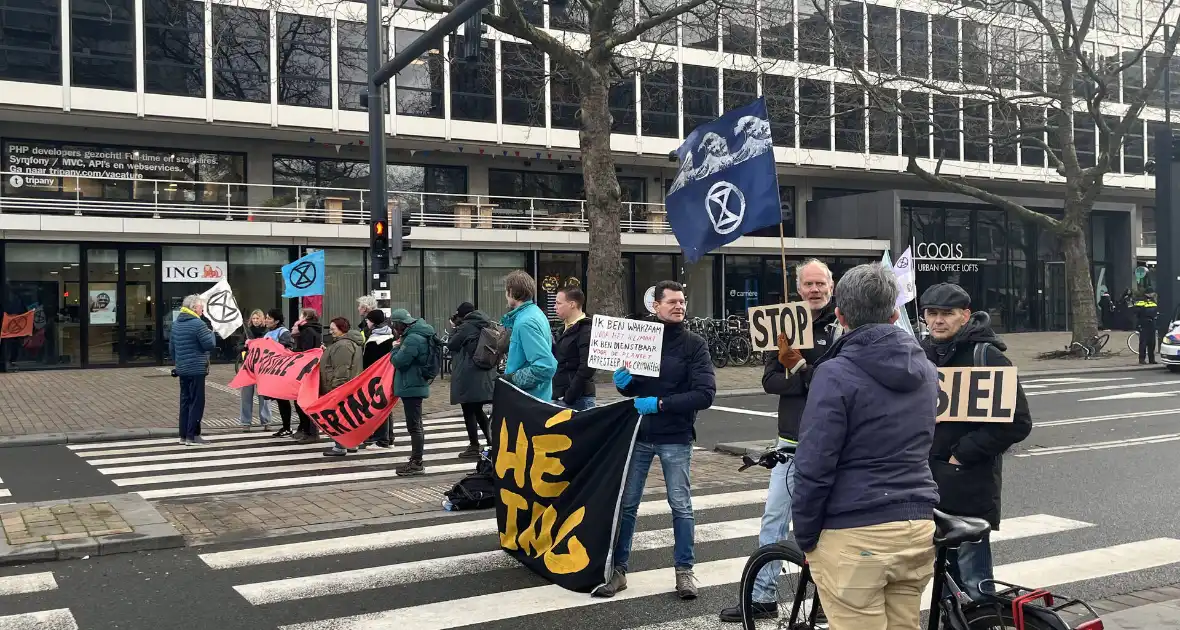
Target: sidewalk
point(88, 405)
point(1155, 609)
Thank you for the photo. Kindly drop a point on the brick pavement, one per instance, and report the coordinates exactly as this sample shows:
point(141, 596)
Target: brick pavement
point(261, 514)
point(71, 401)
point(62, 522)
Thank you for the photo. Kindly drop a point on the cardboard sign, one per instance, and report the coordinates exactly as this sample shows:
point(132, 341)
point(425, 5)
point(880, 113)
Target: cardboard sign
point(977, 394)
point(618, 342)
point(794, 318)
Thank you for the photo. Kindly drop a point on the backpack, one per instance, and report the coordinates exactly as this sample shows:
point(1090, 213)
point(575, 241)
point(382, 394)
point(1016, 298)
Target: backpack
point(981, 353)
point(433, 365)
point(476, 491)
point(491, 346)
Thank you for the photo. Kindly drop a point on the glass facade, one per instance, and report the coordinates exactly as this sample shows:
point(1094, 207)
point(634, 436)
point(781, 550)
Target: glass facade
point(102, 50)
point(241, 54)
point(44, 278)
point(174, 47)
point(30, 41)
point(305, 60)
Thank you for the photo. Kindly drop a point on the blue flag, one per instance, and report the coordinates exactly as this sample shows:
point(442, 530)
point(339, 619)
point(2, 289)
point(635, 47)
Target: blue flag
point(304, 276)
point(727, 185)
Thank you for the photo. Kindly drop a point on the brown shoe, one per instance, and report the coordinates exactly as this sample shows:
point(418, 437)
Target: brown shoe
point(617, 583)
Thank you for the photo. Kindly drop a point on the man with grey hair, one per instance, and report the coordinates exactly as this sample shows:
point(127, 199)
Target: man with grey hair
point(189, 345)
point(365, 304)
point(864, 494)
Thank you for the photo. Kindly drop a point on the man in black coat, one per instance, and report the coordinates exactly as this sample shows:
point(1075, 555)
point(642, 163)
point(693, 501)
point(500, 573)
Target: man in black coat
point(966, 457)
point(309, 335)
point(668, 405)
point(573, 383)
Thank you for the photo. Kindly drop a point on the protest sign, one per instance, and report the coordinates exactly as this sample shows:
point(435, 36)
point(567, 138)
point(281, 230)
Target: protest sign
point(280, 373)
point(618, 342)
point(559, 480)
point(351, 413)
point(794, 319)
point(976, 394)
point(17, 325)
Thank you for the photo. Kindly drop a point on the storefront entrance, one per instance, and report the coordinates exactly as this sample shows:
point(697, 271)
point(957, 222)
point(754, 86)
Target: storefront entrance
point(121, 324)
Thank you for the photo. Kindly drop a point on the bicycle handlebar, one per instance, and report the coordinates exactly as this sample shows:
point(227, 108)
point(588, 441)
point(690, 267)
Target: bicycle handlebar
point(770, 458)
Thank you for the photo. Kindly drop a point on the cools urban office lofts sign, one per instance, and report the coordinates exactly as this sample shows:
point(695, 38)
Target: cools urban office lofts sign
point(559, 479)
point(944, 257)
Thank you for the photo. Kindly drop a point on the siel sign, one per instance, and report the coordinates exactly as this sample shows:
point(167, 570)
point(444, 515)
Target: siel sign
point(194, 271)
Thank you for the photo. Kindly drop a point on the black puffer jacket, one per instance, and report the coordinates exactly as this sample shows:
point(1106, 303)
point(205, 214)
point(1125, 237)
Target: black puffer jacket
point(685, 386)
point(792, 390)
point(573, 379)
point(972, 488)
point(310, 336)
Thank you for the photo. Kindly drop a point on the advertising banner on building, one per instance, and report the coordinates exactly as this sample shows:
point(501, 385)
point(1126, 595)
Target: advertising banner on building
point(41, 164)
point(195, 270)
point(280, 373)
point(559, 478)
point(103, 306)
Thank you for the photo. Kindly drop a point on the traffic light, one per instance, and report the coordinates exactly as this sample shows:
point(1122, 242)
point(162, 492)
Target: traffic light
point(379, 244)
point(399, 220)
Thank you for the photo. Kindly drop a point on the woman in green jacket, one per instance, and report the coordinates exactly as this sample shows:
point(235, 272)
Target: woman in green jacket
point(343, 351)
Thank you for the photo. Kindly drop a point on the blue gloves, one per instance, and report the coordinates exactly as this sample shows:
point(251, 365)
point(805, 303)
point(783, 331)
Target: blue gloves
point(648, 405)
point(622, 377)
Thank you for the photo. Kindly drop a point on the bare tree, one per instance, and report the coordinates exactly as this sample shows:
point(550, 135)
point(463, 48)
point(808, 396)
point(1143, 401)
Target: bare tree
point(600, 45)
point(1059, 86)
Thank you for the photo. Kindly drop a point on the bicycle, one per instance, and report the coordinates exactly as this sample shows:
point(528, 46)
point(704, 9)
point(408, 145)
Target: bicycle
point(1092, 346)
point(1011, 608)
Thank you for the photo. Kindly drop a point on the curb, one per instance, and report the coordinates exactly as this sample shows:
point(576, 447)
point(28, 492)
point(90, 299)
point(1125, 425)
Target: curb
point(103, 435)
point(152, 532)
point(755, 447)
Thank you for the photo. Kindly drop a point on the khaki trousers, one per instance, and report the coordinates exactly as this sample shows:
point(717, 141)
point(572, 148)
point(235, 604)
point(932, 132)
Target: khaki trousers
point(872, 578)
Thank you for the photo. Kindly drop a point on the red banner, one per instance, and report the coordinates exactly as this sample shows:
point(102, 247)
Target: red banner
point(17, 325)
point(351, 413)
point(280, 373)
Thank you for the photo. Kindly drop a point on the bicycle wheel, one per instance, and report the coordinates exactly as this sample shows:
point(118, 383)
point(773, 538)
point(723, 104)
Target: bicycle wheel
point(787, 587)
point(719, 354)
point(999, 618)
point(1100, 342)
point(740, 351)
point(1133, 342)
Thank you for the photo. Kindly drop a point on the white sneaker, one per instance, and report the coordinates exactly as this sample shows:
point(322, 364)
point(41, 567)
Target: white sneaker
point(183, 442)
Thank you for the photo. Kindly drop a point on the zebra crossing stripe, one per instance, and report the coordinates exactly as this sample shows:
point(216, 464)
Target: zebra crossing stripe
point(431, 533)
point(366, 457)
point(27, 583)
point(442, 615)
point(290, 482)
point(5, 493)
point(58, 619)
point(1098, 446)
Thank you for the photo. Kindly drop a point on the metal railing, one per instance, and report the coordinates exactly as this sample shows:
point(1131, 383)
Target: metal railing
point(32, 193)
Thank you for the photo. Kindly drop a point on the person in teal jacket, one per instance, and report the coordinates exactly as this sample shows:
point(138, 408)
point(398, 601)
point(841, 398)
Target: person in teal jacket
point(410, 356)
point(531, 364)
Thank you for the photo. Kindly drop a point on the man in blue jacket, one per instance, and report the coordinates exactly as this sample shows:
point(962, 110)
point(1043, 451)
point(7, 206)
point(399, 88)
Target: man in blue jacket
point(668, 405)
point(864, 494)
point(531, 364)
point(189, 345)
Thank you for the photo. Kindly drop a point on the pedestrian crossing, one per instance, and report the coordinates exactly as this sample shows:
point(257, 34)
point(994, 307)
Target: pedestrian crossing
point(160, 468)
point(449, 572)
point(12, 587)
point(5, 494)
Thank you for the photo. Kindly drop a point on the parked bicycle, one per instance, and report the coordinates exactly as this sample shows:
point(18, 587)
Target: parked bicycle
point(1090, 348)
point(1010, 607)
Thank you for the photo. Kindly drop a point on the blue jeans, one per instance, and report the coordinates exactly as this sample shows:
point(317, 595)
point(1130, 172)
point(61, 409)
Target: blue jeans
point(579, 404)
point(776, 521)
point(971, 564)
point(248, 407)
point(192, 405)
point(675, 460)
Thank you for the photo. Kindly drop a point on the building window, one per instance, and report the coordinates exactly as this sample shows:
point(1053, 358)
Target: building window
point(850, 118)
point(1003, 59)
point(647, 270)
point(1031, 61)
point(473, 83)
point(174, 47)
point(124, 171)
point(491, 269)
point(815, 118)
point(1133, 149)
point(344, 280)
point(30, 41)
point(241, 54)
point(814, 45)
point(882, 53)
point(523, 85)
point(347, 178)
point(448, 281)
point(848, 20)
point(945, 53)
point(975, 131)
point(1032, 153)
point(305, 57)
point(780, 104)
point(420, 87)
point(699, 280)
point(883, 128)
point(44, 278)
point(915, 124)
point(1084, 139)
point(565, 98)
point(252, 273)
point(946, 127)
point(699, 29)
point(1006, 134)
point(659, 101)
point(1147, 226)
point(740, 33)
point(915, 45)
point(352, 65)
point(700, 96)
point(740, 89)
point(974, 53)
point(557, 270)
point(102, 47)
point(743, 284)
point(622, 104)
point(573, 18)
point(776, 23)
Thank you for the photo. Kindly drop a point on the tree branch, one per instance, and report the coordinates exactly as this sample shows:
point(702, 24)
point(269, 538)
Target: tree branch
point(948, 185)
point(643, 26)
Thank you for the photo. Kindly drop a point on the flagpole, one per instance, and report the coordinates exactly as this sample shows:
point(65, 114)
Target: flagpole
point(782, 250)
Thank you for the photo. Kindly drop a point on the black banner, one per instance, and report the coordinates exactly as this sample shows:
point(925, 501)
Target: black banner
point(559, 477)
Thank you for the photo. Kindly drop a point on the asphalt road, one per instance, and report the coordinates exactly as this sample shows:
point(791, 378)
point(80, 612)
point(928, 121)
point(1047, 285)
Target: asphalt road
point(1089, 505)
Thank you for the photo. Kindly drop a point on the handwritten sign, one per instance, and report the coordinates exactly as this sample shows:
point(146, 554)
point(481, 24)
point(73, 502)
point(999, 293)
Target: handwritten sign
point(617, 342)
point(794, 319)
point(979, 394)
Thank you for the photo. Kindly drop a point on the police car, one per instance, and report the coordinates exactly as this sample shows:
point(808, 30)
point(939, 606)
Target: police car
point(1170, 347)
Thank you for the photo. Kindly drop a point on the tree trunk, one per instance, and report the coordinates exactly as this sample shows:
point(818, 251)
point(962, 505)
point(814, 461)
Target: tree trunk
point(604, 290)
point(1079, 282)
